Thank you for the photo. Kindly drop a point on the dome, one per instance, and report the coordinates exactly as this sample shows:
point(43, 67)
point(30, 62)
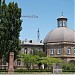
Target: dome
point(61, 34)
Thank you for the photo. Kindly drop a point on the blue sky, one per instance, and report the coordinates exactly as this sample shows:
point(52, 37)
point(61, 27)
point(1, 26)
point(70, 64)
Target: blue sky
point(47, 11)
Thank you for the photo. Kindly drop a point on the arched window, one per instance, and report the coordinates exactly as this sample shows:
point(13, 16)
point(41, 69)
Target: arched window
point(74, 50)
point(52, 51)
point(25, 51)
point(58, 51)
point(69, 50)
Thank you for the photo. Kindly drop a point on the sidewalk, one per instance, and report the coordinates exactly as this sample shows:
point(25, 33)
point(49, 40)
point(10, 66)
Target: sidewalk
point(37, 74)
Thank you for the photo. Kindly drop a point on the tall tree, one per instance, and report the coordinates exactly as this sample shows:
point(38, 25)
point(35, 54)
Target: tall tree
point(3, 28)
point(11, 27)
point(2, 1)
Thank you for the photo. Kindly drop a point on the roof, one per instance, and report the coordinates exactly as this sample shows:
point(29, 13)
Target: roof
point(62, 17)
point(61, 34)
point(31, 43)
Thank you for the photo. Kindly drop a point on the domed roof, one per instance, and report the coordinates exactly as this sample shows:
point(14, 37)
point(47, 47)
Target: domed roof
point(61, 34)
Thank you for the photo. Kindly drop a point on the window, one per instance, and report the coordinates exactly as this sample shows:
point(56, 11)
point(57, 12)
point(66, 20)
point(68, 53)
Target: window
point(60, 23)
point(25, 51)
point(74, 50)
point(52, 51)
point(32, 51)
point(58, 51)
point(64, 23)
point(69, 50)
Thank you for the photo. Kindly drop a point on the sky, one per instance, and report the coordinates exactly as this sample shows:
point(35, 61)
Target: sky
point(47, 11)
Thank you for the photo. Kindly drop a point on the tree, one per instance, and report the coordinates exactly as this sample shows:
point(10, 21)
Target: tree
point(68, 66)
point(10, 26)
point(2, 1)
point(38, 52)
point(3, 29)
point(29, 59)
point(49, 61)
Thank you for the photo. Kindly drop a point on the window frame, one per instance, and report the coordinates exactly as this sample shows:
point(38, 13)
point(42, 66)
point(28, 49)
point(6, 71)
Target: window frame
point(58, 51)
point(69, 50)
point(52, 51)
point(74, 50)
point(25, 51)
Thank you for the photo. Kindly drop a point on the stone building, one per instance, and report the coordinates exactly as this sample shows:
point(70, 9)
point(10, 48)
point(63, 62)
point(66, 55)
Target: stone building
point(28, 46)
point(60, 42)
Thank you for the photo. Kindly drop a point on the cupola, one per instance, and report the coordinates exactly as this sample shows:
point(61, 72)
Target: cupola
point(62, 21)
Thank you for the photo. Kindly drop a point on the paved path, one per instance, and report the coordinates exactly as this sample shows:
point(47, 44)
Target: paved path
point(37, 74)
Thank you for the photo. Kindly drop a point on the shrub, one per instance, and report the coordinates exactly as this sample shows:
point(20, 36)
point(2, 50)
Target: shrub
point(68, 70)
point(3, 70)
point(32, 70)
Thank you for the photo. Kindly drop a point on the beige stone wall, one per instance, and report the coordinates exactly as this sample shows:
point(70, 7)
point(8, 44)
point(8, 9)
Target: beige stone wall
point(63, 52)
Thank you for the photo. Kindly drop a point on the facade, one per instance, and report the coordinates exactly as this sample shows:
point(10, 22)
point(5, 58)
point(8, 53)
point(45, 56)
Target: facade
point(28, 46)
point(60, 42)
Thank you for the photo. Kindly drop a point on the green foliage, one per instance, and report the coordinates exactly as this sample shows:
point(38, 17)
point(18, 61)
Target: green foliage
point(39, 52)
point(68, 71)
point(35, 59)
point(32, 70)
point(68, 66)
point(3, 29)
point(50, 60)
point(29, 59)
point(3, 70)
point(10, 27)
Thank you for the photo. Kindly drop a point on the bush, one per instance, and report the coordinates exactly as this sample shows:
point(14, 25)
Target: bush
point(33, 70)
point(3, 70)
point(68, 70)
point(68, 66)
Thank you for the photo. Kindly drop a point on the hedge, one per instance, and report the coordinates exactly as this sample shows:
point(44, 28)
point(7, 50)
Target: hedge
point(33, 70)
point(3, 70)
point(39, 70)
point(68, 70)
